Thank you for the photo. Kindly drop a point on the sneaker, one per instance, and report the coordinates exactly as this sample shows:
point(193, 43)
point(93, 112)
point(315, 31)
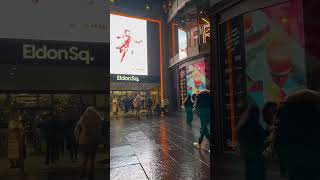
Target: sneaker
point(197, 145)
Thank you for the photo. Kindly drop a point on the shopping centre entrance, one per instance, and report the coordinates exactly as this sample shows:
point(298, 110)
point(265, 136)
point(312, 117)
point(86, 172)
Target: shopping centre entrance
point(120, 91)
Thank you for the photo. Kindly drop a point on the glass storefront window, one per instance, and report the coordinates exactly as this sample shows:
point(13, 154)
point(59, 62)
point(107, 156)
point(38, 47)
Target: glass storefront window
point(249, 41)
point(44, 100)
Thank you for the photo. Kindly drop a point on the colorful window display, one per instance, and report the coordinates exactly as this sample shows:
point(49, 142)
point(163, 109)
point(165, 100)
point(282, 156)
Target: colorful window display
point(193, 78)
point(263, 59)
point(197, 77)
point(274, 47)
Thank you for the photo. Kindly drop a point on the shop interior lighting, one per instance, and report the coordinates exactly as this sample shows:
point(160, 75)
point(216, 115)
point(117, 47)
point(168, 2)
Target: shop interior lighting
point(148, 7)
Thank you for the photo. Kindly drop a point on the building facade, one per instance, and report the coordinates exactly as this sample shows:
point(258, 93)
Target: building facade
point(189, 50)
point(262, 51)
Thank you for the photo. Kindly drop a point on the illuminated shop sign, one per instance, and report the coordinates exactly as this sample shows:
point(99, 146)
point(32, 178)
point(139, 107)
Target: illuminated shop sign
point(39, 52)
point(134, 78)
point(204, 33)
point(127, 78)
point(73, 53)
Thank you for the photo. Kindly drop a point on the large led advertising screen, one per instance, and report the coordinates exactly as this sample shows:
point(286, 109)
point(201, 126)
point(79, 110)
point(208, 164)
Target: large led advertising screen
point(183, 42)
point(128, 46)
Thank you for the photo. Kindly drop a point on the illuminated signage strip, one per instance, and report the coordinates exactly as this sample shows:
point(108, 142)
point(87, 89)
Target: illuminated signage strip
point(134, 78)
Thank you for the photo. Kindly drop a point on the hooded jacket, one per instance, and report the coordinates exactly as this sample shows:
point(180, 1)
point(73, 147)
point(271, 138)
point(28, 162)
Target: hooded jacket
point(89, 124)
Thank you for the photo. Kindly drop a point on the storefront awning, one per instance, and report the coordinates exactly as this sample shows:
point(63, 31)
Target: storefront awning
point(128, 86)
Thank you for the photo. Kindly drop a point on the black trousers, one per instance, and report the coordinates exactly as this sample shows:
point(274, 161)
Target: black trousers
point(204, 131)
point(51, 151)
point(73, 148)
point(149, 111)
point(189, 117)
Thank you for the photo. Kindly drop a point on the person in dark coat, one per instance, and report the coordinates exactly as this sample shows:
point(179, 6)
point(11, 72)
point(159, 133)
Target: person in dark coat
point(188, 105)
point(203, 109)
point(149, 106)
point(251, 137)
point(131, 104)
point(126, 104)
point(50, 132)
point(61, 133)
point(299, 135)
point(72, 145)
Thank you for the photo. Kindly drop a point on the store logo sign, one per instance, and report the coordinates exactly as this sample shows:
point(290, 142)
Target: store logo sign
point(127, 78)
point(31, 51)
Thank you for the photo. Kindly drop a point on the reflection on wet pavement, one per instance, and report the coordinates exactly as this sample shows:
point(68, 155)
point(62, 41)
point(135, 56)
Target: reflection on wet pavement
point(156, 149)
point(131, 172)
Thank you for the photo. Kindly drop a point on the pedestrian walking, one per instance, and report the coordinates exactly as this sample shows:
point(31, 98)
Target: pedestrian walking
point(251, 137)
point(202, 108)
point(115, 106)
point(137, 106)
point(131, 104)
point(87, 131)
point(188, 105)
point(149, 106)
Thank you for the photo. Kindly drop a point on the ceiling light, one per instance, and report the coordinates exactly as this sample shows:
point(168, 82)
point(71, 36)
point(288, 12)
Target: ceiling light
point(148, 7)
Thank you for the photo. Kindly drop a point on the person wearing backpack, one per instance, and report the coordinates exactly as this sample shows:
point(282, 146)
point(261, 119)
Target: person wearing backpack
point(137, 106)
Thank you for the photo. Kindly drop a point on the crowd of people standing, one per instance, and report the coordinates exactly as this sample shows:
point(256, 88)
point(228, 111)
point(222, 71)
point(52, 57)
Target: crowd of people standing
point(135, 104)
point(58, 131)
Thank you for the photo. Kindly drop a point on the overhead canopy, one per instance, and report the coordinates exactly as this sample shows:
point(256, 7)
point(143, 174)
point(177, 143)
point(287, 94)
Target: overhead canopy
point(131, 86)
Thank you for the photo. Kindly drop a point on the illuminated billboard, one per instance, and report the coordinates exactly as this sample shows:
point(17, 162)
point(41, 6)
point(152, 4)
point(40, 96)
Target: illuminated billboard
point(182, 44)
point(128, 46)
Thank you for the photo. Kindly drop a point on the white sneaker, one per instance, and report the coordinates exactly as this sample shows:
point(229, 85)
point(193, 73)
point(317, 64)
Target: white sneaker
point(197, 145)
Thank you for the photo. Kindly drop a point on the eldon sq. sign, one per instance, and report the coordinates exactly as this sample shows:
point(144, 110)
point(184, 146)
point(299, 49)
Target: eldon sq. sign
point(127, 78)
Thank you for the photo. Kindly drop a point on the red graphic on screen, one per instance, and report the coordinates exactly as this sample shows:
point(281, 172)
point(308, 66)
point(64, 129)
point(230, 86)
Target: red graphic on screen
point(123, 49)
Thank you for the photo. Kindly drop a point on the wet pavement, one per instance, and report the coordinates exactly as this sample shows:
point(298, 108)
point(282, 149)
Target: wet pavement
point(157, 148)
point(35, 169)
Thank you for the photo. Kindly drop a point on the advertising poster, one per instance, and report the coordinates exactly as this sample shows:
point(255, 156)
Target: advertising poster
point(128, 46)
point(182, 86)
point(274, 45)
point(183, 42)
point(196, 77)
